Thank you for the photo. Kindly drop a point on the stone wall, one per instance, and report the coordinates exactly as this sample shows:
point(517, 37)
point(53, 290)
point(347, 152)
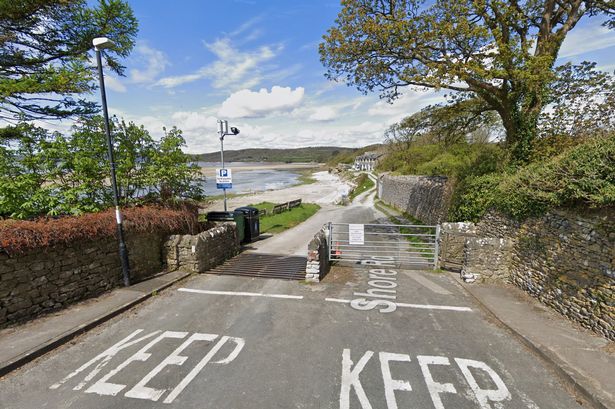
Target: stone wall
point(566, 260)
point(204, 251)
point(48, 279)
point(477, 257)
point(426, 198)
point(318, 263)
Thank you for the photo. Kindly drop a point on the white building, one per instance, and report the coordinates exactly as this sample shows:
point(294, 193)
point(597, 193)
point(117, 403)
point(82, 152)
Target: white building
point(367, 161)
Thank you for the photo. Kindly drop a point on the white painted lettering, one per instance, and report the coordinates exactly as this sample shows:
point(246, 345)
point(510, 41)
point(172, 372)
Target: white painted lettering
point(382, 283)
point(390, 384)
point(383, 272)
point(378, 263)
point(141, 391)
point(363, 304)
point(483, 396)
point(435, 388)
point(377, 277)
point(378, 293)
point(102, 387)
point(239, 344)
point(104, 359)
point(350, 379)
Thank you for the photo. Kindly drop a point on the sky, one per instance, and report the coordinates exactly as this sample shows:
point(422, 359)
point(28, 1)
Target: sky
point(255, 63)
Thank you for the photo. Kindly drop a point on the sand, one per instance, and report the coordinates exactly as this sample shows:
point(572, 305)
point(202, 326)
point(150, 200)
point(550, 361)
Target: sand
point(327, 190)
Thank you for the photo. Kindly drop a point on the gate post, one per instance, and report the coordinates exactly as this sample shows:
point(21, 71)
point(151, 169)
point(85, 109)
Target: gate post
point(329, 235)
point(436, 263)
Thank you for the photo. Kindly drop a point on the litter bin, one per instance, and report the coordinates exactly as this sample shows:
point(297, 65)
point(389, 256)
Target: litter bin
point(237, 217)
point(252, 222)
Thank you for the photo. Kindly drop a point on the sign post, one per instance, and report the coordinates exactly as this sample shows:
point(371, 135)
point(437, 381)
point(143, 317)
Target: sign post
point(224, 179)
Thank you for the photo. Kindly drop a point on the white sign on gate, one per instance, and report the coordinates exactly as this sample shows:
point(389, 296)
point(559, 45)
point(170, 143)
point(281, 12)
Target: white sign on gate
point(356, 234)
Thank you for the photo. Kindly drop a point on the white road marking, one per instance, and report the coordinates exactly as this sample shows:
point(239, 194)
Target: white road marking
point(351, 372)
point(419, 306)
point(425, 282)
point(435, 307)
point(337, 300)
point(238, 293)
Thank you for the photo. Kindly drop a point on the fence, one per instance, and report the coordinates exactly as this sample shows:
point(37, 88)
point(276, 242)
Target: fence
point(279, 208)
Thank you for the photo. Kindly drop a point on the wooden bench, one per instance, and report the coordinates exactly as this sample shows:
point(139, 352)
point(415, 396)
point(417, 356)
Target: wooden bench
point(294, 203)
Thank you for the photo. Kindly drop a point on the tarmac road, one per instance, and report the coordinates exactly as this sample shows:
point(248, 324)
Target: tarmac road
point(236, 342)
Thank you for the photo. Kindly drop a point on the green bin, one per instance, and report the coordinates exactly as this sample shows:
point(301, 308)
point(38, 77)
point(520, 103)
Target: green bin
point(237, 217)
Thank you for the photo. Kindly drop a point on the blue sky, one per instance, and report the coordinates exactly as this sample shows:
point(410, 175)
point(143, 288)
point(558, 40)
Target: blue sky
point(256, 64)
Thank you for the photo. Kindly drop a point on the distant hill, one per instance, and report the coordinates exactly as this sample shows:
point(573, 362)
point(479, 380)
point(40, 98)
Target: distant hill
point(321, 154)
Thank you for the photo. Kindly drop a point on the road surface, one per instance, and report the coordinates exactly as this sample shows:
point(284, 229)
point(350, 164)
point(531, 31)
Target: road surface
point(368, 336)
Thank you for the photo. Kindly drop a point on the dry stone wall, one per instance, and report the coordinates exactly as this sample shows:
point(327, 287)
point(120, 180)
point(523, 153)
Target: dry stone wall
point(204, 251)
point(318, 264)
point(48, 279)
point(426, 198)
point(566, 260)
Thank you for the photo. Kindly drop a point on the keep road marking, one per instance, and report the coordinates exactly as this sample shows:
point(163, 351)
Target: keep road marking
point(244, 294)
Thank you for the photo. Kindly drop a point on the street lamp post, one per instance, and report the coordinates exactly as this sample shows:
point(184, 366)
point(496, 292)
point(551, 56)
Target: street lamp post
point(223, 131)
point(99, 44)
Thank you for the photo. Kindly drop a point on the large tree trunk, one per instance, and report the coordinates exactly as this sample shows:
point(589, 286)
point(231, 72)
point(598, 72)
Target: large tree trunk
point(521, 129)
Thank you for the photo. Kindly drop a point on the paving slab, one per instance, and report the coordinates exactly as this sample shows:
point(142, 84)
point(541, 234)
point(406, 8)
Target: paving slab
point(583, 358)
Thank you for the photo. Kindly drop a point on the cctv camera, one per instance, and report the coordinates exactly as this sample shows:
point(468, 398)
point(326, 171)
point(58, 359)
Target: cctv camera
point(234, 130)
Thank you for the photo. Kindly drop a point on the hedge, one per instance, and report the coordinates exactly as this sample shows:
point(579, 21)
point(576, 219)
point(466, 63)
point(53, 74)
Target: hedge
point(18, 236)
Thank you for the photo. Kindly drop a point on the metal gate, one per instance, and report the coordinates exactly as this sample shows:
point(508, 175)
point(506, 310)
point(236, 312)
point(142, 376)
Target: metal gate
point(414, 246)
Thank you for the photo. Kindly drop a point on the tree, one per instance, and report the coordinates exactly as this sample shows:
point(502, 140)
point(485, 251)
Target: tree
point(44, 59)
point(450, 124)
point(500, 51)
point(43, 173)
point(581, 103)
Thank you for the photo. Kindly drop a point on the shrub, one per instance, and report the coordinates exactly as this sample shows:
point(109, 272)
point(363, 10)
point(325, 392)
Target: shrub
point(584, 175)
point(17, 236)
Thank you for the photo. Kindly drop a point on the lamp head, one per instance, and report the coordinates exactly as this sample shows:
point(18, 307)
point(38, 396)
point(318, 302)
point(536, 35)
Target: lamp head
point(101, 43)
point(234, 130)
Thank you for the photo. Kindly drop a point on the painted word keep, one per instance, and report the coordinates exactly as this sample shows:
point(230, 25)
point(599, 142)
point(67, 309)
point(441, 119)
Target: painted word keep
point(483, 397)
point(104, 385)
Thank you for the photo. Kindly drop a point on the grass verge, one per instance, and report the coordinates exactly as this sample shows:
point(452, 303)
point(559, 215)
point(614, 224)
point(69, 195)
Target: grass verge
point(277, 223)
point(364, 183)
point(415, 242)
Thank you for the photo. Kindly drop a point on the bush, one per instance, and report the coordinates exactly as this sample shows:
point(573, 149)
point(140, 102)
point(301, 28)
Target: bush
point(456, 161)
point(17, 236)
point(581, 176)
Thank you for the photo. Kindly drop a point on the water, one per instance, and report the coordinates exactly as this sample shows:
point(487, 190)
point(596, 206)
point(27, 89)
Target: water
point(246, 181)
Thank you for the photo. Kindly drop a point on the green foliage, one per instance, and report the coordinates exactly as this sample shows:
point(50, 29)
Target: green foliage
point(501, 53)
point(457, 161)
point(581, 176)
point(53, 174)
point(364, 183)
point(276, 223)
point(45, 46)
point(348, 155)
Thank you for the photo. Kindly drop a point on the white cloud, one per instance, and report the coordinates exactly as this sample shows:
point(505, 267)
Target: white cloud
point(154, 62)
point(326, 113)
point(194, 121)
point(583, 40)
point(246, 103)
point(232, 69)
point(114, 84)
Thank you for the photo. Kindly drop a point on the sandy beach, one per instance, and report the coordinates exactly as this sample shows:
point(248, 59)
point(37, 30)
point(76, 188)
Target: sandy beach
point(327, 190)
